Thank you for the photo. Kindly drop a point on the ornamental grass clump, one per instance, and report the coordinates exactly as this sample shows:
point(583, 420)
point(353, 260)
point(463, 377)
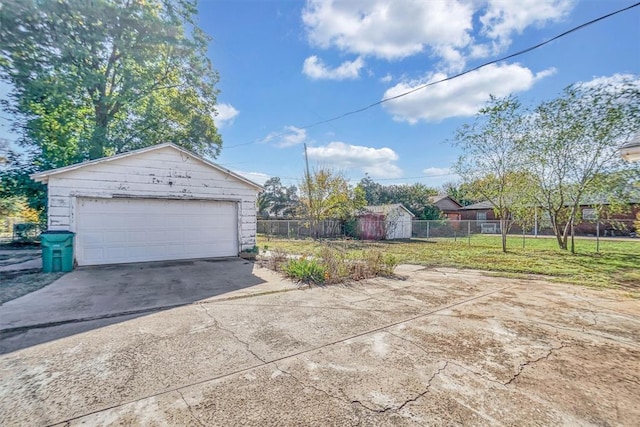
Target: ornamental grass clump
point(304, 270)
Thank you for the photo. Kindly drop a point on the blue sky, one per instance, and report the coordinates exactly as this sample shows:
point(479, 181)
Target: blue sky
point(287, 64)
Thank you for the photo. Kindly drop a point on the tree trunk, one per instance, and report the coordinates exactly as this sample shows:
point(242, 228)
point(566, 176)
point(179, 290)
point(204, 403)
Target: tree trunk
point(558, 233)
point(573, 244)
point(503, 232)
point(99, 136)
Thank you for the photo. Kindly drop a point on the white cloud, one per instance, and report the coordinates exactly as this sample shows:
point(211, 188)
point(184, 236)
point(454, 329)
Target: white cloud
point(433, 171)
point(314, 68)
point(377, 162)
point(459, 97)
point(226, 114)
point(615, 80)
point(392, 29)
point(502, 18)
point(386, 79)
point(289, 137)
point(257, 177)
point(435, 176)
point(385, 28)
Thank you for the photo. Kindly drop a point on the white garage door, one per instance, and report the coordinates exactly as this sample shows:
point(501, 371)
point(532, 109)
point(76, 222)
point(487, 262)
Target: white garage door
point(111, 231)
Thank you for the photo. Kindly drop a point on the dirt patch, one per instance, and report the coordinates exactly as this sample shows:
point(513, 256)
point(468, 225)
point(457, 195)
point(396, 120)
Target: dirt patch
point(14, 284)
point(17, 275)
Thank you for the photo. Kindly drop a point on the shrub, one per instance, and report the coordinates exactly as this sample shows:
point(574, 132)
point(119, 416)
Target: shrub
point(274, 261)
point(305, 270)
point(334, 263)
point(379, 264)
point(331, 265)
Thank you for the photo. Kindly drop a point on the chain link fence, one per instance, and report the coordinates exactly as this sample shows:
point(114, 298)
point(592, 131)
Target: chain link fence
point(443, 229)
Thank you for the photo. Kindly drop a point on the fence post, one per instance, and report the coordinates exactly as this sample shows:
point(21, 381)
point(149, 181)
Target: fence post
point(597, 236)
point(469, 232)
point(428, 222)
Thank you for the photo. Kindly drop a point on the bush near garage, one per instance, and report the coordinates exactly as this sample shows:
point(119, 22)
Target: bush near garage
point(330, 265)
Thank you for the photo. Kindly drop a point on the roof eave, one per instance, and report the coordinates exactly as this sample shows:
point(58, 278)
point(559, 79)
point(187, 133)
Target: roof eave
point(43, 177)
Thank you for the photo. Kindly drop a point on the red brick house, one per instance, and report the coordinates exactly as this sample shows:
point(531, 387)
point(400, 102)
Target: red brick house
point(481, 211)
point(449, 207)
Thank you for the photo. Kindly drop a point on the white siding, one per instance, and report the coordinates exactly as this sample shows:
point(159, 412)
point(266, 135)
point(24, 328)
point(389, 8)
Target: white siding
point(165, 173)
point(398, 224)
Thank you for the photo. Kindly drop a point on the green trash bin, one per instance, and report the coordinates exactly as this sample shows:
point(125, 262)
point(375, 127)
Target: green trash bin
point(57, 251)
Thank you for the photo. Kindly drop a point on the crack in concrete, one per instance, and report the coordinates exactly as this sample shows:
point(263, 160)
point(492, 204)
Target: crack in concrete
point(586, 332)
point(233, 334)
point(449, 361)
point(478, 374)
point(344, 398)
point(408, 401)
point(298, 380)
point(193, 415)
point(531, 362)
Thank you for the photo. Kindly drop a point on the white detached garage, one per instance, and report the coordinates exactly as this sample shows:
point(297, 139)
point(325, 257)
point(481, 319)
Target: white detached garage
point(154, 204)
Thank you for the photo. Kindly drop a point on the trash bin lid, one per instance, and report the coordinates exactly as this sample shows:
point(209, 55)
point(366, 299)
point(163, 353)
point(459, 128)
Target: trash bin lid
point(57, 232)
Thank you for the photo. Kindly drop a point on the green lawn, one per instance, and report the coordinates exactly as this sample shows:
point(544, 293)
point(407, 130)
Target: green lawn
point(616, 265)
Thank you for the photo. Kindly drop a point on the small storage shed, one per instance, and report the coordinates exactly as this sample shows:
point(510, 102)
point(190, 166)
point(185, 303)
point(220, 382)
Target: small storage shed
point(397, 220)
point(153, 204)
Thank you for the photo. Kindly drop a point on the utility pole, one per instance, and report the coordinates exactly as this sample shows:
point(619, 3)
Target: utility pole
point(312, 224)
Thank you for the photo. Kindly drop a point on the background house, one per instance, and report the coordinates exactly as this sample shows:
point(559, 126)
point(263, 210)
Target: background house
point(153, 204)
point(481, 211)
point(448, 206)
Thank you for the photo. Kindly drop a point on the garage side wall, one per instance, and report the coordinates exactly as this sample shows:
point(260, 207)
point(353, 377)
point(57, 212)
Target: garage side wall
point(160, 174)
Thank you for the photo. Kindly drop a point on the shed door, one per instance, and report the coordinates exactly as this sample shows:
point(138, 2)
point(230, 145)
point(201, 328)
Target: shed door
point(112, 231)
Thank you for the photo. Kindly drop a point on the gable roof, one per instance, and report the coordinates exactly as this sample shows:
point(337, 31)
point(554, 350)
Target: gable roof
point(385, 209)
point(44, 176)
point(442, 200)
point(479, 206)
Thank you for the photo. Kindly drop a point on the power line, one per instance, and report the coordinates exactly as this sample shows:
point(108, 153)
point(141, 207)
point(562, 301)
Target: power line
point(455, 76)
point(416, 177)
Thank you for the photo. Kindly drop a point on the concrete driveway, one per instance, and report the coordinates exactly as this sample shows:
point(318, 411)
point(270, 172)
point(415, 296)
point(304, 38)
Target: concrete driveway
point(435, 347)
point(106, 294)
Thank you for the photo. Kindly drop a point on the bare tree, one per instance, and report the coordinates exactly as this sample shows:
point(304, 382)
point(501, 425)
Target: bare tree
point(492, 162)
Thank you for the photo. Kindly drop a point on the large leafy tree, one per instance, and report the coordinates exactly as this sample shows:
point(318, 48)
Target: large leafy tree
point(277, 199)
point(492, 161)
point(415, 197)
point(95, 78)
point(327, 194)
point(572, 149)
point(462, 192)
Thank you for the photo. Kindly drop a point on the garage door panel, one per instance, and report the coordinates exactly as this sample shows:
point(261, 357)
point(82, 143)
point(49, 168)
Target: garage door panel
point(136, 230)
point(112, 236)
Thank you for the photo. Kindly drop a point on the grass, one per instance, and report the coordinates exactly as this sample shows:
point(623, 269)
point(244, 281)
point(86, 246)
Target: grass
point(614, 266)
